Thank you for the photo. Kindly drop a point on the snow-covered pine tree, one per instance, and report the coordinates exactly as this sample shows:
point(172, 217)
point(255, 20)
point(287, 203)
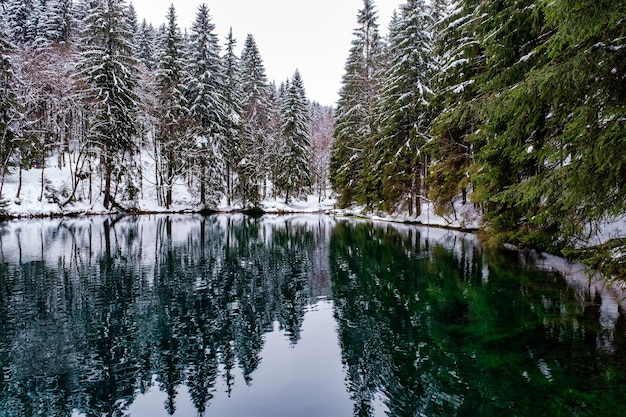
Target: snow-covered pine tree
point(172, 136)
point(35, 34)
point(17, 15)
point(556, 116)
point(9, 113)
point(232, 146)
point(252, 167)
point(460, 59)
point(133, 23)
point(274, 140)
point(294, 176)
point(145, 44)
point(205, 91)
point(355, 114)
point(57, 25)
point(404, 112)
point(109, 68)
point(511, 138)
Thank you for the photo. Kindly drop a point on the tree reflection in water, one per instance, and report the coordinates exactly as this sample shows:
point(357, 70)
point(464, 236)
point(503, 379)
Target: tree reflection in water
point(441, 327)
point(94, 313)
point(101, 310)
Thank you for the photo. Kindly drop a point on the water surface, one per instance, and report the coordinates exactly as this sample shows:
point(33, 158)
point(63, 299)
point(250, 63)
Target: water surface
point(303, 315)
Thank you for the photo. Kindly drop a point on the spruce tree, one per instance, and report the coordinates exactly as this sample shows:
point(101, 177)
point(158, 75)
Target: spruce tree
point(252, 168)
point(172, 137)
point(58, 23)
point(555, 117)
point(205, 91)
point(232, 146)
point(511, 137)
point(460, 60)
point(294, 177)
point(404, 111)
point(145, 45)
point(109, 68)
point(18, 14)
point(9, 112)
point(355, 115)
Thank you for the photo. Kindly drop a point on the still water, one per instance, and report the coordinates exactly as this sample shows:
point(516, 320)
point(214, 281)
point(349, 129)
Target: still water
point(229, 315)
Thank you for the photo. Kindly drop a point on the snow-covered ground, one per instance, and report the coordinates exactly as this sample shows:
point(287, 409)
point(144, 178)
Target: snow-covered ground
point(466, 217)
point(58, 185)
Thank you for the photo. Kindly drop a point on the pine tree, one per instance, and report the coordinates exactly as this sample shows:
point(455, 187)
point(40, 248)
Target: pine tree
point(109, 68)
point(9, 113)
point(294, 177)
point(251, 168)
point(17, 15)
point(555, 117)
point(205, 90)
point(404, 111)
point(355, 115)
point(145, 44)
point(460, 60)
point(133, 23)
point(321, 125)
point(232, 146)
point(172, 136)
point(58, 24)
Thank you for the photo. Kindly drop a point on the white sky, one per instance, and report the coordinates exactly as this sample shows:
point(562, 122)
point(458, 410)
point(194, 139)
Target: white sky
point(312, 36)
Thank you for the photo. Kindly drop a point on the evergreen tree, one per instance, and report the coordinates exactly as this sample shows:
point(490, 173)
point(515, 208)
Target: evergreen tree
point(8, 108)
point(17, 15)
point(109, 68)
point(355, 114)
point(460, 60)
point(145, 44)
point(172, 137)
point(321, 126)
point(404, 111)
point(232, 145)
point(252, 167)
point(131, 15)
point(58, 25)
point(205, 89)
point(35, 33)
point(555, 115)
point(294, 177)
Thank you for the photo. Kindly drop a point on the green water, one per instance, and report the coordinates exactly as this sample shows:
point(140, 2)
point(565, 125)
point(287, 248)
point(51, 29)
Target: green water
point(229, 315)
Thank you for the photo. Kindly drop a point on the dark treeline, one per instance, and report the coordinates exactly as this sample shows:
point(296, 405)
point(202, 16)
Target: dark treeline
point(84, 80)
point(517, 107)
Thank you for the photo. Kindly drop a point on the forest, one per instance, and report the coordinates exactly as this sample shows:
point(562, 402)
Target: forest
point(516, 109)
point(86, 87)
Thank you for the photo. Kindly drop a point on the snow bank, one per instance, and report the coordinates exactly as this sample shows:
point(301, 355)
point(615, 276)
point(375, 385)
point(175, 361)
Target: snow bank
point(465, 217)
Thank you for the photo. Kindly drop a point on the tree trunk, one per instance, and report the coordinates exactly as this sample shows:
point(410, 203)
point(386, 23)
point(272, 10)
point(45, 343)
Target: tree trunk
point(19, 184)
point(43, 179)
point(107, 183)
point(202, 182)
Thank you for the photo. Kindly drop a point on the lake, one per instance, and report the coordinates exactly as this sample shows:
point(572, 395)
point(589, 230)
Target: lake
point(229, 315)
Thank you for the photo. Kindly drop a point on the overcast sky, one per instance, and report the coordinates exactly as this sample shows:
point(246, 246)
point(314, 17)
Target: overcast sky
point(312, 36)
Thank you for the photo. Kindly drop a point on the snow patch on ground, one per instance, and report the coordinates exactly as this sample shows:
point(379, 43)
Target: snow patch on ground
point(465, 216)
